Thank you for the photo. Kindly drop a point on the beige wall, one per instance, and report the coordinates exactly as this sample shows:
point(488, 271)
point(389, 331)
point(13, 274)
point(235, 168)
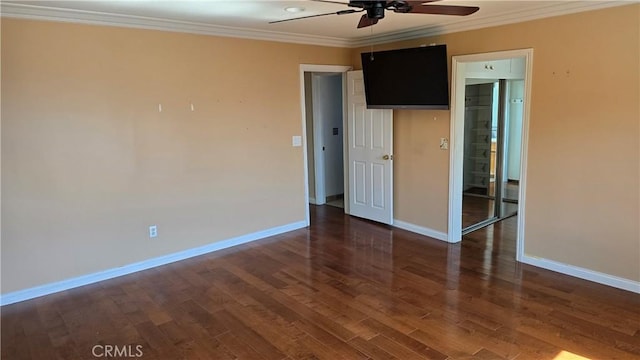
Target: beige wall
point(583, 168)
point(88, 162)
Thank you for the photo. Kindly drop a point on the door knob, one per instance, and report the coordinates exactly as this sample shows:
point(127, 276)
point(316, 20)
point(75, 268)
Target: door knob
point(387, 157)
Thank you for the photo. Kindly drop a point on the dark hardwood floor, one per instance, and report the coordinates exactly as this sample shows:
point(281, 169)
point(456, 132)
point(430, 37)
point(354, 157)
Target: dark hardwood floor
point(343, 289)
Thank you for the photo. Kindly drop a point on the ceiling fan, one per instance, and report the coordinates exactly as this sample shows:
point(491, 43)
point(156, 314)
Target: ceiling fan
point(375, 10)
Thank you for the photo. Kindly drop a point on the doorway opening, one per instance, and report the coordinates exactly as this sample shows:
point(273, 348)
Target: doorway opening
point(367, 146)
point(311, 151)
point(325, 139)
point(492, 149)
point(504, 72)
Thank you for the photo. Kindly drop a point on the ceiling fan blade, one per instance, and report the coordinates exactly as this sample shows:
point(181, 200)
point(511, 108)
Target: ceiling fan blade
point(441, 9)
point(366, 21)
point(341, 12)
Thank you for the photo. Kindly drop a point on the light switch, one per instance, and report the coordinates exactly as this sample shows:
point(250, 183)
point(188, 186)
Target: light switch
point(296, 140)
point(444, 143)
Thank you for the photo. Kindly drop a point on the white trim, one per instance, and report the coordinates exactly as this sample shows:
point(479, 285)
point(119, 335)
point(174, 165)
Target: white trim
point(582, 273)
point(313, 68)
point(36, 12)
point(439, 235)
point(454, 224)
point(345, 143)
point(458, 70)
point(324, 68)
point(318, 140)
point(524, 156)
point(312, 200)
point(34, 292)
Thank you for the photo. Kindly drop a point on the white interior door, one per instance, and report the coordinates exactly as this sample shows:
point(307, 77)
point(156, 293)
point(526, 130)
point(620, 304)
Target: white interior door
point(370, 143)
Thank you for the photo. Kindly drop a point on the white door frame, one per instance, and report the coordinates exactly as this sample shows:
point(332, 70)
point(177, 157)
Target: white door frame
point(318, 140)
point(331, 69)
point(458, 72)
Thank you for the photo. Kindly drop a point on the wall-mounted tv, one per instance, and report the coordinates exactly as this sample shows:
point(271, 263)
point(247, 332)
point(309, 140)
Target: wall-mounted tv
point(414, 78)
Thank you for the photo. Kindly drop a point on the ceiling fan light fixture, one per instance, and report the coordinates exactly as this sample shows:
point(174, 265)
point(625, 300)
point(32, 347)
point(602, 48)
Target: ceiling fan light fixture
point(294, 9)
point(375, 9)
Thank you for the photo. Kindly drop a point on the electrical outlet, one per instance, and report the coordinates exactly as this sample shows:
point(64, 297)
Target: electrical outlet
point(153, 231)
point(444, 143)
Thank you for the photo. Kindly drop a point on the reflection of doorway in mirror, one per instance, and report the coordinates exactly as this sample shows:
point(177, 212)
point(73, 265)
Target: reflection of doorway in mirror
point(492, 131)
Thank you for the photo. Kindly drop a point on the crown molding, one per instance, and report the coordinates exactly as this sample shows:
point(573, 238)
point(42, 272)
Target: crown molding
point(34, 12)
point(564, 8)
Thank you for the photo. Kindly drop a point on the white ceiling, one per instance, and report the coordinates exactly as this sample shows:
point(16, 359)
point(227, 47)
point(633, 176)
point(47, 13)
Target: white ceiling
point(250, 19)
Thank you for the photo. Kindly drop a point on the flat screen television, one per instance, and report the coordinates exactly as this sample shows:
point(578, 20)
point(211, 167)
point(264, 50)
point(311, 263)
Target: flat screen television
point(414, 78)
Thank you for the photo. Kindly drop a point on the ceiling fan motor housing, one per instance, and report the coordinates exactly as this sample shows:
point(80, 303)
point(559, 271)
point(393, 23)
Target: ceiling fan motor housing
point(375, 9)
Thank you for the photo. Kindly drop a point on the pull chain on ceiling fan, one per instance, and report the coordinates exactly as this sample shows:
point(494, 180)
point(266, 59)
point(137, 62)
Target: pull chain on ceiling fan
point(375, 10)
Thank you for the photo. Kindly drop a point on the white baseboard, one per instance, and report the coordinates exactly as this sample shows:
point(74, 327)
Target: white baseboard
point(312, 200)
point(67, 284)
point(582, 273)
point(420, 230)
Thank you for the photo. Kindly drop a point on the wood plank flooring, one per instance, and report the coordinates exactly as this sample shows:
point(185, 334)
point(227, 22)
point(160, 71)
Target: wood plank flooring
point(343, 289)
